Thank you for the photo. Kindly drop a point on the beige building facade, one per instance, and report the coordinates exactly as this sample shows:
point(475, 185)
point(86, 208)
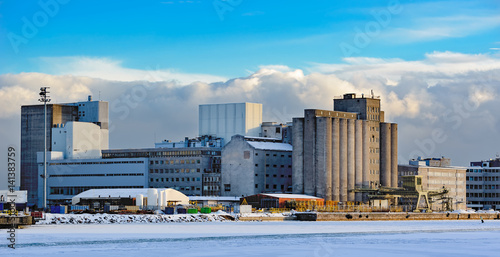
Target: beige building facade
point(435, 178)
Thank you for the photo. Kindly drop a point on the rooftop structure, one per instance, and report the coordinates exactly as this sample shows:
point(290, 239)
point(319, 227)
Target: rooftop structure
point(227, 120)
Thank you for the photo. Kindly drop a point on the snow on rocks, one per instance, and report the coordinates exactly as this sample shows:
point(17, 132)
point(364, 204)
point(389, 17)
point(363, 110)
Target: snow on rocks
point(124, 218)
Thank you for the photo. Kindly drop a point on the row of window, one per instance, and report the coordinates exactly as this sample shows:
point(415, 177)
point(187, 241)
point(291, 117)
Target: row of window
point(274, 165)
point(470, 178)
point(211, 179)
point(94, 163)
point(154, 154)
point(483, 170)
point(489, 195)
point(77, 190)
point(275, 155)
point(97, 175)
point(481, 186)
point(173, 179)
point(173, 170)
point(274, 186)
point(275, 175)
point(171, 162)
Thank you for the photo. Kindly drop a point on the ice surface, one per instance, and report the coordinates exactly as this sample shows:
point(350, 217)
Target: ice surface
point(292, 238)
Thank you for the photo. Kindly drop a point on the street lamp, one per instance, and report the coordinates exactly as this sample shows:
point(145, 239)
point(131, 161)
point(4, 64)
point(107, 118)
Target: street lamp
point(44, 97)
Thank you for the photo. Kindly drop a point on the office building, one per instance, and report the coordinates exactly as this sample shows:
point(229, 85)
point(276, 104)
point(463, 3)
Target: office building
point(277, 130)
point(253, 165)
point(227, 120)
point(438, 173)
point(349, 147)
point(69, 177)
point(194, 171)
point(483, 185)
point(32, 135)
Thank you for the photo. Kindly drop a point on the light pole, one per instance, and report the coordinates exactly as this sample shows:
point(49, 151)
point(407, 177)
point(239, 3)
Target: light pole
point(44, 97)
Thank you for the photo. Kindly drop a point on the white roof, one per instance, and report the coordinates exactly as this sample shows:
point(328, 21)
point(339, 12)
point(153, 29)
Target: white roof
point(295, 196)
point(271, 146)
point(115, 193)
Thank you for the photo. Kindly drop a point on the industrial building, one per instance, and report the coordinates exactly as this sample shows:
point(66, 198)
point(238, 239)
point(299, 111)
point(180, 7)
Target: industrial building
point(351, 147)
point(280, 200)
point(194, 171)
point(69, 177)
point(201, 141)
point(87, 114)
point(252, 165)
point(483, 184)
point(226, 120)
point(277, 130)
point(437, 173)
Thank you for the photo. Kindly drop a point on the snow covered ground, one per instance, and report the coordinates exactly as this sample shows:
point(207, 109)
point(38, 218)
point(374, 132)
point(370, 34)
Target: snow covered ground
point(293, 238)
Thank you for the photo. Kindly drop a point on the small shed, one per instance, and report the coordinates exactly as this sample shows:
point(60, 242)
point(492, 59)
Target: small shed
point(266, 200)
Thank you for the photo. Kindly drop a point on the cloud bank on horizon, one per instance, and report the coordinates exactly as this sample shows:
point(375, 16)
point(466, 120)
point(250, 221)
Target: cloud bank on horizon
point(445, 104)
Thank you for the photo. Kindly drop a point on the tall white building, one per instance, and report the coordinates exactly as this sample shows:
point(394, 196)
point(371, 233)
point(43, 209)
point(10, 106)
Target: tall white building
point(227, 120)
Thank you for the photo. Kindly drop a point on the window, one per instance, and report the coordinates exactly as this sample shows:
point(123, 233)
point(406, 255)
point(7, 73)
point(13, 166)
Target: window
point(256, 174)
point(256, 165)
point(227, 187)
point(275, 186)
point(256, 185)
point(246, 155)
point(267, 186)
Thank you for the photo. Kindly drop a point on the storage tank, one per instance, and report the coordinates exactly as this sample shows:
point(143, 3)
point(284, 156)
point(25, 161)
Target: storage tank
point(152, 197)
point(165, 198)
point(139, 199)
point(161, 198)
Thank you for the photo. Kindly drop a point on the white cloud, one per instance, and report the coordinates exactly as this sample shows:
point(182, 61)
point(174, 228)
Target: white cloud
point(453, 92)
point(435, 28)
point(108, 69)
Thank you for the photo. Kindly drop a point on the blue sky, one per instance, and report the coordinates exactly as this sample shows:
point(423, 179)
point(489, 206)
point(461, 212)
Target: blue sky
point(190, 36)
point(435, 64)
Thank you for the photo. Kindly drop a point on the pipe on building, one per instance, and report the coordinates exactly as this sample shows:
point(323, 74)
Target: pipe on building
point(335, 159)
point(343, 159)
point(358, 173)
point(298, 156)
point(385, 154)
point(394, 154)
point(309, 152)
point(351, 158)
point(366, 155)
point(323, 157)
